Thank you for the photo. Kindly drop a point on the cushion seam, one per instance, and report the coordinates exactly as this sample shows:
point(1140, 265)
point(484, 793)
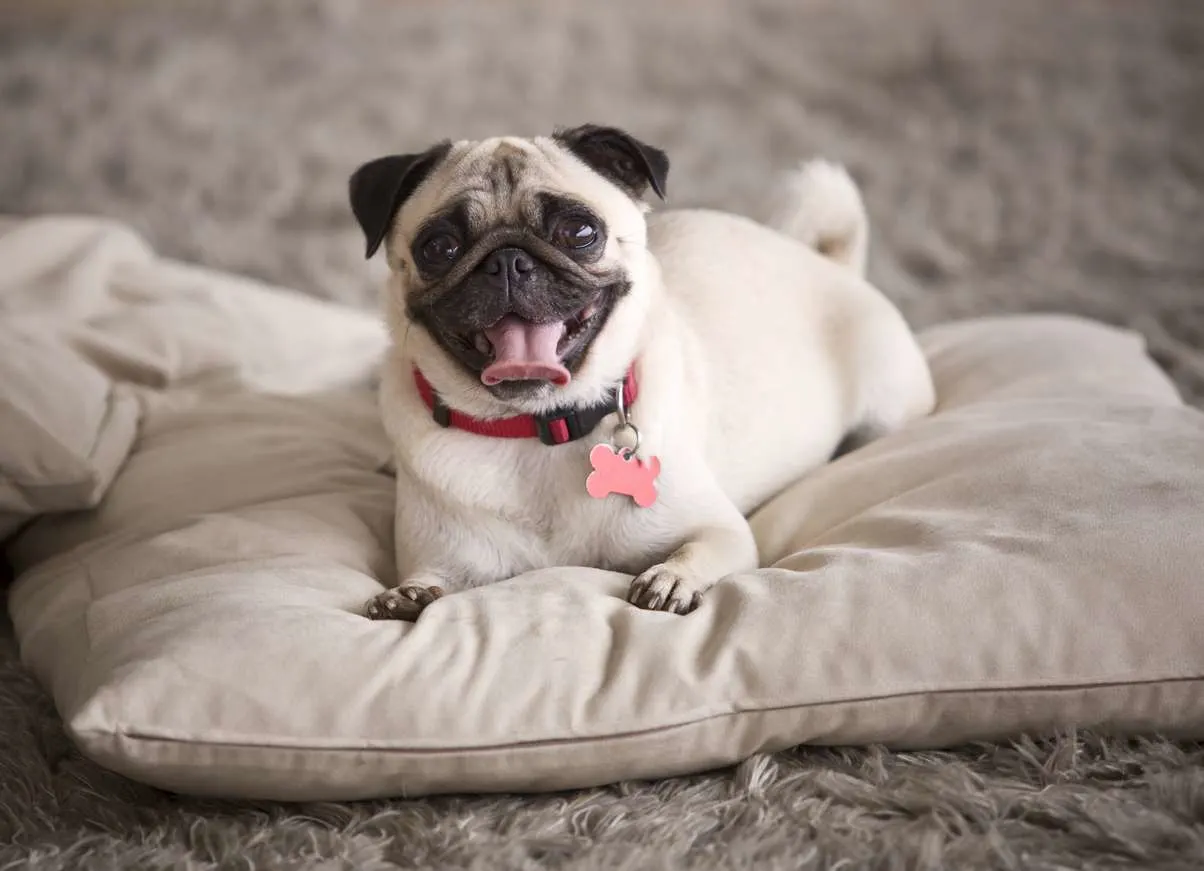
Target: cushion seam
point(138, 735)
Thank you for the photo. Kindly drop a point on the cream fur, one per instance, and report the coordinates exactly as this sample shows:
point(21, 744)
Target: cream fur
point(756, 357)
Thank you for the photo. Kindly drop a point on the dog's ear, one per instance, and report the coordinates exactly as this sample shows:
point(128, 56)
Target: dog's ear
point(619, 156)
point(379, 187)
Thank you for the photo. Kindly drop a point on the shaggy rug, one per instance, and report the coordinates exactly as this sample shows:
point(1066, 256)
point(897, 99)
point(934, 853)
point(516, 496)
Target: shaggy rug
point(1016, 155)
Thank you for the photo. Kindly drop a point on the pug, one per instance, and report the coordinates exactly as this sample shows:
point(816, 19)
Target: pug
point(575, 380)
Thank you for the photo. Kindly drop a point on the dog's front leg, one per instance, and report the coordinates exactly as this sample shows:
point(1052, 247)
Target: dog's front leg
point(713, 551)
point(421, 565)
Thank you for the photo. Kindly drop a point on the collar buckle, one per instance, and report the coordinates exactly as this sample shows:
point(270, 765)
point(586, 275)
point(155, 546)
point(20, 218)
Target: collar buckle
point(440, 412)
point(560, 428)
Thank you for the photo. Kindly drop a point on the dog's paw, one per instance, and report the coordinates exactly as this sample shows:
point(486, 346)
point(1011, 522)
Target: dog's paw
point(666, 588)
point(401, 603)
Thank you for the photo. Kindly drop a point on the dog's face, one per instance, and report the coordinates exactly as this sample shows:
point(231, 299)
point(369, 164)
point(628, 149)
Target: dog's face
point(513, 259)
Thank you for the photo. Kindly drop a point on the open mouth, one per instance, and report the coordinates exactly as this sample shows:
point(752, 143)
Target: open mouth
point(516, 349)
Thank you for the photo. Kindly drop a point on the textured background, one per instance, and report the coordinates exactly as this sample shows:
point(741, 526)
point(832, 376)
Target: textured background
point(1015, 155)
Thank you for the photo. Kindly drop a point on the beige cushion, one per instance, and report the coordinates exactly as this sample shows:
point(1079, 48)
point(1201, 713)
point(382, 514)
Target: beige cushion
point(92, 325)
point(1027, 558)
point(65, 428)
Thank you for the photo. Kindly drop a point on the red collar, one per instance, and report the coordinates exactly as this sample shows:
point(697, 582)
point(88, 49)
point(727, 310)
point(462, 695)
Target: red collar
point(554, 428)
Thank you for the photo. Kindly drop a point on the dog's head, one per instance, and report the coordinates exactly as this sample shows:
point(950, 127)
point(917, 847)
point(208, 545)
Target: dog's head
point(516, 263)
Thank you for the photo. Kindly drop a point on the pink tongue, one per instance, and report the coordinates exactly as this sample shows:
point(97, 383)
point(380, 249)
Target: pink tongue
point(523, 351)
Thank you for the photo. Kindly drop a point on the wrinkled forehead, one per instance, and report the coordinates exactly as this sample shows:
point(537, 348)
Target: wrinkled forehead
point(500, 180)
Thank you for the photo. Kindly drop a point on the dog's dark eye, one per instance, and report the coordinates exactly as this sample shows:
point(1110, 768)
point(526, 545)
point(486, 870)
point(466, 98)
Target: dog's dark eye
point(574, 233)
point(441, 249)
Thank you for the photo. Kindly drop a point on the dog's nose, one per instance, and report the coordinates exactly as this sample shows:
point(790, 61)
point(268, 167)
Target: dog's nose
point(509, 264)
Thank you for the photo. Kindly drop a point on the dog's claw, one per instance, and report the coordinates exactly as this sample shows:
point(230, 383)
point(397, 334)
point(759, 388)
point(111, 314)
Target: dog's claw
point(681, 606)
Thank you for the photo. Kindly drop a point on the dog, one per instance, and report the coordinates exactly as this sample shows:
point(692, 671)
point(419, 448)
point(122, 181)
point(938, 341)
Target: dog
point(543, 319)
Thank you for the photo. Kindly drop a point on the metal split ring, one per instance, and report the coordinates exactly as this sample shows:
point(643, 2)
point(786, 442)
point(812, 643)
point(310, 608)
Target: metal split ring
point(625, 426)
point(627, 450)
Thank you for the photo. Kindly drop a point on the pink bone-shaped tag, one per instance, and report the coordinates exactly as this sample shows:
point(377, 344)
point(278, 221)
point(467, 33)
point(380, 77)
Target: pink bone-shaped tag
point(628, 476)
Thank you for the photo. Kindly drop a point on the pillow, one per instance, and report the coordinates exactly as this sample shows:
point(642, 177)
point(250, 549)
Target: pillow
point(1025, 559)
point(66, 428)
point(89, 317)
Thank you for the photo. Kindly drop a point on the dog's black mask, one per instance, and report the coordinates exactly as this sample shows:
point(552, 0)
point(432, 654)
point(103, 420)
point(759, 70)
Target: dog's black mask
point(518, 306)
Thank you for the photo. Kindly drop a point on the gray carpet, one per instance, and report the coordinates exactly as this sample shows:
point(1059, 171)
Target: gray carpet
point(1016, 155)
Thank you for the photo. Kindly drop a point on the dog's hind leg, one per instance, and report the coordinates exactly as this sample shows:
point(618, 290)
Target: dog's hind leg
point(897, 389)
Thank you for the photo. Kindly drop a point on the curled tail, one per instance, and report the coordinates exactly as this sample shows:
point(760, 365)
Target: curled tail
point(819, 204)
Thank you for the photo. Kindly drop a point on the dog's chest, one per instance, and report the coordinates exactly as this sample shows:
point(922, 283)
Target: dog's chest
point(532, 500)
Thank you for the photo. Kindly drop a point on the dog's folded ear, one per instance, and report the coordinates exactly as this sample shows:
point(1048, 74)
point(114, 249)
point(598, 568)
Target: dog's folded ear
point(379, 187)
point(619, 157)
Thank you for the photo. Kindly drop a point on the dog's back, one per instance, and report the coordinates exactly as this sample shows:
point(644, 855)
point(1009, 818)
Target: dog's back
point(788, 349)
